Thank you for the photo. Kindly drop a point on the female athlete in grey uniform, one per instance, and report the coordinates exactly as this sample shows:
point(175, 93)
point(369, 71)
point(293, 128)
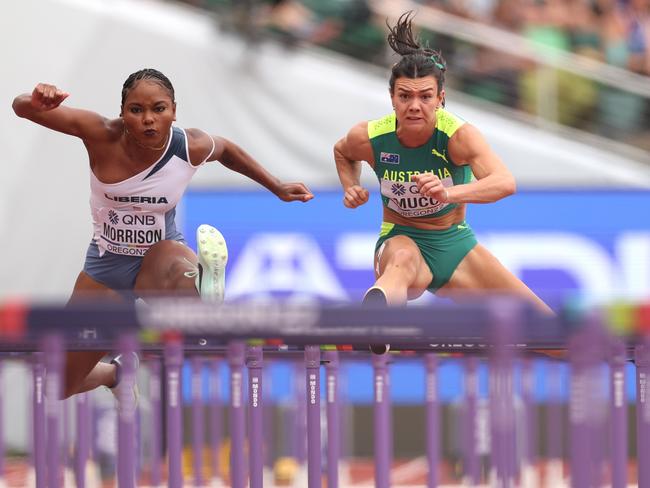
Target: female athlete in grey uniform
point(424, 158)
point(140, 165)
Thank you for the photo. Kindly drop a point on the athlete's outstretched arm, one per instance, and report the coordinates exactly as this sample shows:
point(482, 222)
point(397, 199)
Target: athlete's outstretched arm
point(493, 179)
point(43, 106)
point(349, 152)
point(215, 148)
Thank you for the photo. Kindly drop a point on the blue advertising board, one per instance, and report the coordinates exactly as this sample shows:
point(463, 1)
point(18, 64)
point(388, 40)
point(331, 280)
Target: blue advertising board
point(595, 243)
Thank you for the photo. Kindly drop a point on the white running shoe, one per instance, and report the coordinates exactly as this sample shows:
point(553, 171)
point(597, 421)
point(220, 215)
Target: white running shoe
point(210, 280)
point(134, 395)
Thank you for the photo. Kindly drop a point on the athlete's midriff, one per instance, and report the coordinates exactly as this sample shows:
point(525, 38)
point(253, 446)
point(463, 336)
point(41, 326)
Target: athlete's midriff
point(456, 216)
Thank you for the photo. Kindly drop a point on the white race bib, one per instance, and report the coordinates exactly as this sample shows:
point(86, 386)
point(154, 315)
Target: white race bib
point(128, 233)
point(405, 199)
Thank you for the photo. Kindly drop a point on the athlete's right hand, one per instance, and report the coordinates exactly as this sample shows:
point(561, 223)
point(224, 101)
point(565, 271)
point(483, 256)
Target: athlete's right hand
point(47, 97)
point(354, 196)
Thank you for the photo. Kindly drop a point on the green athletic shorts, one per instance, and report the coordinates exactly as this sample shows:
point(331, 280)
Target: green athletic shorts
point(442, 250)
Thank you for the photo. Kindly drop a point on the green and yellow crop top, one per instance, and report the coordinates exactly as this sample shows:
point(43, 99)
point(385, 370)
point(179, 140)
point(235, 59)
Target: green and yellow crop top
point(395, 165)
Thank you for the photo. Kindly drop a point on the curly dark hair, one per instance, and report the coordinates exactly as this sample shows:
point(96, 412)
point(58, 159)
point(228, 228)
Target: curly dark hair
point(417, 61)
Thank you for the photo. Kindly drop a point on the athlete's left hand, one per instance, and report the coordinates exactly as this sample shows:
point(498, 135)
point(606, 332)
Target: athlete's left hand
point(431, 186)
point(291, 192)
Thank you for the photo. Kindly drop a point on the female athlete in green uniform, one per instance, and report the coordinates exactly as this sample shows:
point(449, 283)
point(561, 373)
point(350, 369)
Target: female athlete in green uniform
point(424, 158)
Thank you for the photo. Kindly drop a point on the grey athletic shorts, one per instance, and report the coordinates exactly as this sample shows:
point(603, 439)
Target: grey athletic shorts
point(113, 270)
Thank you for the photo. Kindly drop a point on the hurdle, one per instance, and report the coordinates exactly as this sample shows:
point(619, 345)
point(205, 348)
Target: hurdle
point(499, 331)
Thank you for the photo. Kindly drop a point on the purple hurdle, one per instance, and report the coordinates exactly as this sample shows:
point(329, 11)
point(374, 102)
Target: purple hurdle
point(585, 355)
point(38, 412)
point(197, 420)
point(156, 423)
point(236, 351)
point(433, 418)
point(502, 412)
point(215, 419)
point(618, 414)
point(471, 459)
point(126, 413)
point(333, 423)
point(82, 452)
point(52, 346)
point(642, 359)
point(529, 476)
point(381, 422)
point(312, 364)
point(254, 362)
point(174, 407)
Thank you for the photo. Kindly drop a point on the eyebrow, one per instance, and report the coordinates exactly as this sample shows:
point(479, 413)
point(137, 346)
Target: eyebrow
point(411, 91)
point(140, 104)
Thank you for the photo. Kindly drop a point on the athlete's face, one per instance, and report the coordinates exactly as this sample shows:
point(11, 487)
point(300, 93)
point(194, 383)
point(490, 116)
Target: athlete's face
point(415, 101)
point(148, 113)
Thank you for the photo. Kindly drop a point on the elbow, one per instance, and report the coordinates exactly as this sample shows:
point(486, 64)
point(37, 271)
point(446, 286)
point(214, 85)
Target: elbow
point(16, 106)
point(338, 149)
point(509, 186)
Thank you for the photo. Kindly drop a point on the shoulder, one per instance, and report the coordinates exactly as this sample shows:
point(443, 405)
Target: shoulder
point(466, 134)
point(358, 134)
point(381, 126)
point(468, 143)
point(200, 144)
point(111, 131)
point(355, 145)
point(448, 122)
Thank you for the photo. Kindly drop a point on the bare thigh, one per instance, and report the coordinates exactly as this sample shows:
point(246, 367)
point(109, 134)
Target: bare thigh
point(163, 270)
point(400, 262)
point(481, 273)
point(79, 364)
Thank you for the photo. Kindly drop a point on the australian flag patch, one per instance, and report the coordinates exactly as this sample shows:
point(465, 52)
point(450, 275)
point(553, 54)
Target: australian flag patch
point(389, 158)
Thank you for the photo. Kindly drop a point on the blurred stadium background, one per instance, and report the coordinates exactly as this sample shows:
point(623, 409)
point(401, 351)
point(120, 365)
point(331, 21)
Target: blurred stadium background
point(560, 88)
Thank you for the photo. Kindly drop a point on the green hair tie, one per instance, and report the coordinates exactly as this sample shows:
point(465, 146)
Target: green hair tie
point(438, 64)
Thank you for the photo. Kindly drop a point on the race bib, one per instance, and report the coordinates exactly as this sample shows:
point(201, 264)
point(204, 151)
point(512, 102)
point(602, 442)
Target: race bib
point(129, 233)
point(405, 199)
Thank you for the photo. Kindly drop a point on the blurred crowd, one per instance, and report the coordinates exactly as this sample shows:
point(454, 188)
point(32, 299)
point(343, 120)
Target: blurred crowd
point(616, 32)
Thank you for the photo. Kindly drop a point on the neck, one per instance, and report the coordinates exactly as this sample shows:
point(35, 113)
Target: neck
point(144, 146)
point(411, 138)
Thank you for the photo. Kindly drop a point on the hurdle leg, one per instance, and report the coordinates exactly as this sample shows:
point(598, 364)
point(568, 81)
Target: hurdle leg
point(618, 414)
point(642, 359)
point(269, 422)
point(529, 473)
point(432, 418)
point(584, 361)
point(197, 420)
point(237, 417)
point(173, 362)
point(52, 346)
point(82, 452)
point(38, 412)
point(505, 323)
point(155, 423)
point(126, 425)
point(471, 459)
point(298, 419)
point(312, 363)
point(554, 469)
point(333, 421)
point(381, 421)
point(215, 420)
point(254, 362)
point(2, 440)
